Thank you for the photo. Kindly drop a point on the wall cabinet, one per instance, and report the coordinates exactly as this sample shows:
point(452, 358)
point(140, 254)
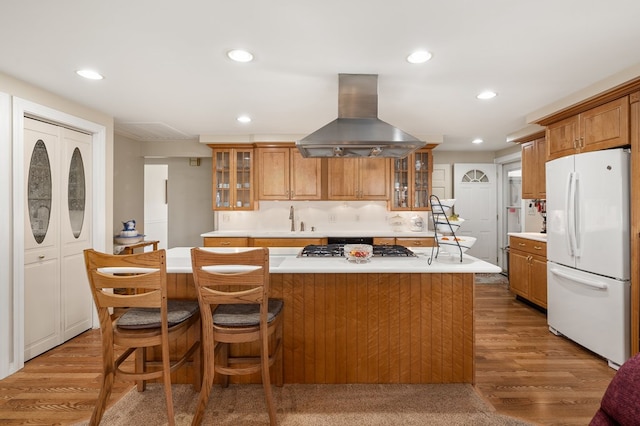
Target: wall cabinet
point(411, 178)
point(602, 127)
point(534, 156)
point(358, 178)
point(284, 174)
point(233, 179)
point(528, 269)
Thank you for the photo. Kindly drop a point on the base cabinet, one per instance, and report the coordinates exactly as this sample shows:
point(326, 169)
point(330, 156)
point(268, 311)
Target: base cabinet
point(528, 270)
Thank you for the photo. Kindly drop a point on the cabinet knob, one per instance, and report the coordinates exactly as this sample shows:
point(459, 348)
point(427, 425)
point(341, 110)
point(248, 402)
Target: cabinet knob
point(41, 256)
point(537, 247)
point(225, 243)
point(521, 244)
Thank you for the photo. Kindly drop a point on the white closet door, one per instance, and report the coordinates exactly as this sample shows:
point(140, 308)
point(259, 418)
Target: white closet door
point(75, 232)
point(42, 295)
point(58, 303)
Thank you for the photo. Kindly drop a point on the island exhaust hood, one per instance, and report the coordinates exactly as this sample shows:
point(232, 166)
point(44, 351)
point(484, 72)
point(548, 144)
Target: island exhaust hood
point(358, 132)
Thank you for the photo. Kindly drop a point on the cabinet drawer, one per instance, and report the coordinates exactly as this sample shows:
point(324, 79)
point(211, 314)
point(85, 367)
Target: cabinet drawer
point(384, 241)
point(538, 248)
point(286, 242)
point(416, 242)
point(226, 242)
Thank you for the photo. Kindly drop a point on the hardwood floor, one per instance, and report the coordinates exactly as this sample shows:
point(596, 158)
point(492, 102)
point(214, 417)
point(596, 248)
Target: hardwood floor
point(525, 371)
point(522, 370)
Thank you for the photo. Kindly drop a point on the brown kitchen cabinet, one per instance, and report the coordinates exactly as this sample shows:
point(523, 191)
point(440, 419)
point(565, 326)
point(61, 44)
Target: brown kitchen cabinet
point(284, 174)
point(528, 269)
point(226, 241)
point(602, 127)
point(233, 179)
point(416, 241)
point(286, 242)
point(534, 156)
point(411, 181)
point(358, 178)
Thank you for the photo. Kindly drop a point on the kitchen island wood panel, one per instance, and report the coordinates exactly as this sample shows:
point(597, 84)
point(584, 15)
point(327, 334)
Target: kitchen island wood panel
point(377, 328)
point(368, 327)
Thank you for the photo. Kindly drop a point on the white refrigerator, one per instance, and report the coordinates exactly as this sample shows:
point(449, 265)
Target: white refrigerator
point(588, 245)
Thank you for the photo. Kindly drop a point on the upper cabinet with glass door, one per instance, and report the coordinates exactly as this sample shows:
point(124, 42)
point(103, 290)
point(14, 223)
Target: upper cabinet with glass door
point(233, 179)
point(412, 181)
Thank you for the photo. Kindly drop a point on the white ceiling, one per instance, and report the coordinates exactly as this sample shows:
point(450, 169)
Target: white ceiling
point(166, 69)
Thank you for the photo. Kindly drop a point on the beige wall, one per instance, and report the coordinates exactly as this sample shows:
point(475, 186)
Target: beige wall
point(128, 183)
point(190, 200)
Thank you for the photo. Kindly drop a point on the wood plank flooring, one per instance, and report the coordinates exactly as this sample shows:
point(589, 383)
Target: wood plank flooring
point(522, 370)
point(525, 371)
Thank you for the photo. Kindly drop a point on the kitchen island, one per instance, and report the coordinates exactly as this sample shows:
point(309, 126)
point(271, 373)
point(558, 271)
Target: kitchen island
point(390, 320)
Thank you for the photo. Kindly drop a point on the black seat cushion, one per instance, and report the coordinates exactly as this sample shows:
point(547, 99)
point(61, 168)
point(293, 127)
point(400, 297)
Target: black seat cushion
point(244, 315)
point(142, 318)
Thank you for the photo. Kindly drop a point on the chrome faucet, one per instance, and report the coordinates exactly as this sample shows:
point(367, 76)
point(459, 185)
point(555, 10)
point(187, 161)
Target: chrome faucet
point(291, 217)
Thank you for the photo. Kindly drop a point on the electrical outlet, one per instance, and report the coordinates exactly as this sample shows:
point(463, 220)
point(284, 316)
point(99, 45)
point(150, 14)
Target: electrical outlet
point(332, 218)
point(225, 217)
point(357, 218)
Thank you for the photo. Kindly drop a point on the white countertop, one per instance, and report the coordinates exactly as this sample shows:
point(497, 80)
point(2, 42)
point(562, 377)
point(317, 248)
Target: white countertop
point(530, 235)
point(284, 260)
point(316, 234)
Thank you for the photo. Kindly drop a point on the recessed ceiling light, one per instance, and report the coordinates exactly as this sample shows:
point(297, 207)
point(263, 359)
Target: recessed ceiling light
point(419, 57)
point(487, 94)
point(90, 74)
point(477, 141)
point(240, 55)
point(244, 119)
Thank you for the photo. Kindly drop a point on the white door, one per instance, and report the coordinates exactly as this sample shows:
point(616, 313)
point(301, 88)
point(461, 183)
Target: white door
point(441, 181)
point(475, 189)
point(75, 232)
point(156, 204)
point(42, 325)
point(58, 227)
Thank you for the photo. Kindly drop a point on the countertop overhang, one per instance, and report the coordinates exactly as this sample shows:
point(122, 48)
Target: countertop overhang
point(316, 234)
point(537, 236)
point(284, 260)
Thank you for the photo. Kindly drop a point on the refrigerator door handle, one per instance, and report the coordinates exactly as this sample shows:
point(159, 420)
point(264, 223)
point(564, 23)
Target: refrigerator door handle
point(571, 214)
point(589, 283)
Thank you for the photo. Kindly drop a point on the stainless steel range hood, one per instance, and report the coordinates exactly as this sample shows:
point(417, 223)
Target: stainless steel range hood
point(358, 132)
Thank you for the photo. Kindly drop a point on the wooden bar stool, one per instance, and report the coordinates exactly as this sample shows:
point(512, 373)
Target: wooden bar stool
point(149, 320)
point(233, 291)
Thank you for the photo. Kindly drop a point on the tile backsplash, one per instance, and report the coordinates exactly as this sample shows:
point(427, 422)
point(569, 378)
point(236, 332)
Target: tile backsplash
point(324, 216)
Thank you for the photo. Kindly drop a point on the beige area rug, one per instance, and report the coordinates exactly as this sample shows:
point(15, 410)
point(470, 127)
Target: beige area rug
point(311, 405)
point(491, 279)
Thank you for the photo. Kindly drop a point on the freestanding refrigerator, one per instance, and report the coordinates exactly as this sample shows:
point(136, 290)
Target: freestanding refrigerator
point(588, 246)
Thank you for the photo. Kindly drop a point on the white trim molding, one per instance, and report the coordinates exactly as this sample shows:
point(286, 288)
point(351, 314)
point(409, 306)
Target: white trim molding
point(22, 107)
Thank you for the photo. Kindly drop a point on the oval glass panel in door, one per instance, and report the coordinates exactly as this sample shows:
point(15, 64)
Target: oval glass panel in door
point(39, 191)
point(76, 193)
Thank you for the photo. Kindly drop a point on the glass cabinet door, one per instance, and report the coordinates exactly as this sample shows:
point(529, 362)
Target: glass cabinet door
point(244, 191)
point(222, 178)
point(232, 179)
point(412, 181)
point(422, 177)
point(400, 183)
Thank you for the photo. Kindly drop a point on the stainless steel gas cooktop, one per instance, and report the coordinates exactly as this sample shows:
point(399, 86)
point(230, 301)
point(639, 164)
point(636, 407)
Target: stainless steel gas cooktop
point(337, 250)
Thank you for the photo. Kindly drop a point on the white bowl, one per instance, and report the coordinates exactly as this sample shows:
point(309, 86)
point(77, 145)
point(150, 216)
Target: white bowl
point(358, 253)
point(452, 244)
point(444, 206)
point(453, 225)
point(127, 240)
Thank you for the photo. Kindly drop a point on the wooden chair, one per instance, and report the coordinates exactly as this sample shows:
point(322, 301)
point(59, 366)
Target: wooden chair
point(149, 320)
point(236, 286)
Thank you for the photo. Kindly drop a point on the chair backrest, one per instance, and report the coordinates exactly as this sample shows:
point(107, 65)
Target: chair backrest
point(142, 276)
point(231, 277)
